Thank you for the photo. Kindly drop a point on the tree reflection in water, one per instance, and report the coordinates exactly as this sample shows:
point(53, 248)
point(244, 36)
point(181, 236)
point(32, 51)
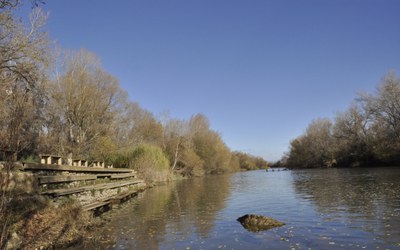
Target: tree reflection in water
point(366, 199)
point(322, 209)
point(168, 213)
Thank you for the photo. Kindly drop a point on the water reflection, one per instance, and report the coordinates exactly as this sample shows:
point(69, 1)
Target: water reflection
point(364, 199)
point(322, 209)
point(170, 213)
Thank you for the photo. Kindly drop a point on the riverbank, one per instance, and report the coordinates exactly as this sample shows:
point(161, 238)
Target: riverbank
point(48, 206)
point(34, 221)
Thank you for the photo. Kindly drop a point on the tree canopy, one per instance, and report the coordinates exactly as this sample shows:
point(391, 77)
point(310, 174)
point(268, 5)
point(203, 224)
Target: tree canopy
point(366, 134)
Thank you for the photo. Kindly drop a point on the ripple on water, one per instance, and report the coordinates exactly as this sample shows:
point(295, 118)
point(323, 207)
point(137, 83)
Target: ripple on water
point(322, 209)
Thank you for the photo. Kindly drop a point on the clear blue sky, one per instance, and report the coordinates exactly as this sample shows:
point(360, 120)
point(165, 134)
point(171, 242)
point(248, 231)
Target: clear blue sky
point(260, 70)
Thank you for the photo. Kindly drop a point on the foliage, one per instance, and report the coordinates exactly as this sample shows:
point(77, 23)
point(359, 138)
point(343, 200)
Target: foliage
point(84, 100)
point(368, 133)
point(249, 162)
point(149, 160)
point(208, 145)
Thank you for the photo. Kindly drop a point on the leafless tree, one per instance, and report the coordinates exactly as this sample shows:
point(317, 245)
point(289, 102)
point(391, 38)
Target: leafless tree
point(84, 102)
point(24, 59)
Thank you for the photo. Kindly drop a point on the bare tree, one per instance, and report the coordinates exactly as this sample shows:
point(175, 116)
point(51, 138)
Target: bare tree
point(23, 62)
point(352, 136)
point(85, 100)
point(384, 108)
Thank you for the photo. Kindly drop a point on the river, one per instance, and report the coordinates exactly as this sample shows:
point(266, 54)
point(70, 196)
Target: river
point(322, 209)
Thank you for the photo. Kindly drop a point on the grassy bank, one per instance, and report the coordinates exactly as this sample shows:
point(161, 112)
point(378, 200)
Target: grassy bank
point(30, 221)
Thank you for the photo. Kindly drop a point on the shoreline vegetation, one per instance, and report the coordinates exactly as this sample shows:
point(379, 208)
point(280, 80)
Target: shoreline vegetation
point(63, 102)
point(365, 135)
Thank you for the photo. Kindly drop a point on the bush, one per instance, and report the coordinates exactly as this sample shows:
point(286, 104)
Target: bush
point(149, 160)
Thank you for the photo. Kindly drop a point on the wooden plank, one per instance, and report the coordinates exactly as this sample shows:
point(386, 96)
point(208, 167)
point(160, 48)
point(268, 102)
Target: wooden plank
point(45, 167)
point(104, 175)
point(124, 196)
point(65, 178)
point(122, 176)
point(66, 191)
point(95, 205)
point(62, 192)
point(114, 199)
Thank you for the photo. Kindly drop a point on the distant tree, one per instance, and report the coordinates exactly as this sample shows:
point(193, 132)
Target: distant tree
point(314, 148)
point(245, 161)
point(384, 107)
point(352, 142)
point(368, 133)
point(209, 146)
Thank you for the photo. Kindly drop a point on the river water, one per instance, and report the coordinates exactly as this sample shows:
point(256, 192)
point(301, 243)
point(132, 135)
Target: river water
point(322, 209)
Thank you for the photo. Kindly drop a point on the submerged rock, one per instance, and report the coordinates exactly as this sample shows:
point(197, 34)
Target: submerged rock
point(255, 223)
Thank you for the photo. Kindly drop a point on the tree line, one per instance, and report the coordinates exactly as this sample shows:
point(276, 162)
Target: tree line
point(64, 102)
point(366, 134)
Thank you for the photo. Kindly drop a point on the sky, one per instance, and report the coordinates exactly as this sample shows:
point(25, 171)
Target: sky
point(260, 70)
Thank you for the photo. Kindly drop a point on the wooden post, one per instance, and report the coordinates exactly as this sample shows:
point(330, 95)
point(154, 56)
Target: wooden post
point(69, 159)
point(48, 160)
point(84, 163)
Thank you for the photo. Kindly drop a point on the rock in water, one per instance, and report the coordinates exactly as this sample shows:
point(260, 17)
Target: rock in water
point(256, 223)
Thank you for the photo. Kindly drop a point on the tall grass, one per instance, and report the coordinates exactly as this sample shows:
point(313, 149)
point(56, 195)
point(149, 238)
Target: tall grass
point(149, 160)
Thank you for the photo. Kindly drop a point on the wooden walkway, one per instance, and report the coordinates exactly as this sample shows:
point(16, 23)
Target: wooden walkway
point(47, 179)
point(53, 176)
point(67, 191)
point(109, 201)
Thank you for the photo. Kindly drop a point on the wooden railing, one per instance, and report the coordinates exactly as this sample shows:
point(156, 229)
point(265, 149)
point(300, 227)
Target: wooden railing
point(49, 159)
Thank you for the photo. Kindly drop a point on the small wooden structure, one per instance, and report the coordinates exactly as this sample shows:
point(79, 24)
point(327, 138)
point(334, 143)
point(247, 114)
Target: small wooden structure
point(98, 164)
point(51, 159)
point(79, 163)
